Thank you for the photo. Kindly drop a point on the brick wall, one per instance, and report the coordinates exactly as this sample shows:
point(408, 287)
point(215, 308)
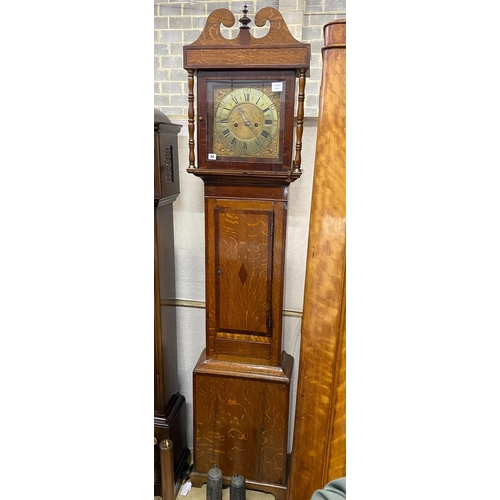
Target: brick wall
point(179, 22)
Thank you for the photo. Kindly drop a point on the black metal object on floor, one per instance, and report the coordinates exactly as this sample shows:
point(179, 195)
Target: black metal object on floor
point(237, 488)
point(214, 484)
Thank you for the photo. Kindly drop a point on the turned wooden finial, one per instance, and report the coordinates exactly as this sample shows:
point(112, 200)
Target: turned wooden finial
point(245, 20)
point(244, 37)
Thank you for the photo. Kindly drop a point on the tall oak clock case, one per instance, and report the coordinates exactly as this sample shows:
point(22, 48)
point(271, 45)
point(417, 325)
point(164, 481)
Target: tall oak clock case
point(245, 102)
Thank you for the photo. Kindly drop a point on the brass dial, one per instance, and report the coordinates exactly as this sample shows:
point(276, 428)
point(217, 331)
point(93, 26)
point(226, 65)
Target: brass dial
point(246, 122)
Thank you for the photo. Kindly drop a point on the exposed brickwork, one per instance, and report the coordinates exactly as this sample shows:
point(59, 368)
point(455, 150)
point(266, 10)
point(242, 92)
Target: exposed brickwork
point(179, 22)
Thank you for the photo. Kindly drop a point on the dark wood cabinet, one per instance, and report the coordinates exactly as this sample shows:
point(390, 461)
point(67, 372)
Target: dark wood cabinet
point(169, 404)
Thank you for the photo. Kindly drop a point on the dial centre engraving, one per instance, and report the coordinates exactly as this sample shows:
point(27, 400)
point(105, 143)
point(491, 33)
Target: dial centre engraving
point(246, 117)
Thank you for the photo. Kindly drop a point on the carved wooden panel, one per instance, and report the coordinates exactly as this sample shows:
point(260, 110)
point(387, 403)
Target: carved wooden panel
point(168, 164)
point(167, 160)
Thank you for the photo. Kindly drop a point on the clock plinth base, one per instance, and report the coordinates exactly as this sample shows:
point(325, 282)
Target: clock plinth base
point(241, 415)
point(172, 426)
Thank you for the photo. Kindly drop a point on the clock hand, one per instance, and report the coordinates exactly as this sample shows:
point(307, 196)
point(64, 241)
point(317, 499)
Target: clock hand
point(245, 121)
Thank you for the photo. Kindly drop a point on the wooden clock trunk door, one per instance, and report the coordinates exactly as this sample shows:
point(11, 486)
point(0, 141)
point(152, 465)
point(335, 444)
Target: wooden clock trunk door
point(245, 265)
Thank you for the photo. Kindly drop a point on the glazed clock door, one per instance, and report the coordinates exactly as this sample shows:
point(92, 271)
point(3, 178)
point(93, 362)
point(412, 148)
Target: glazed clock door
point(245, 262)
point(245, 122)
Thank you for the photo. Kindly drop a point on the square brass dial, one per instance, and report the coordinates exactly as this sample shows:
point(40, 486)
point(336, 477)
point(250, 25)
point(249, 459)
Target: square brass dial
point(246, 121)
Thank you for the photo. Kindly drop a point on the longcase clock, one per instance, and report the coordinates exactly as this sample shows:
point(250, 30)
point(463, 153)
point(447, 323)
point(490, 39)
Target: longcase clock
point(243, 152)
point(170, 405)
